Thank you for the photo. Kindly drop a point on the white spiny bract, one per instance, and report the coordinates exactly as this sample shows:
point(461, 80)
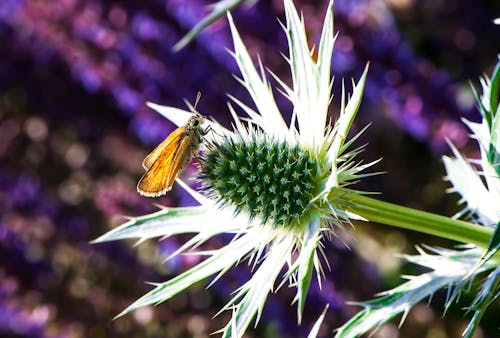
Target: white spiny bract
point(454, 269)
point(480, 191)
point(269, 183)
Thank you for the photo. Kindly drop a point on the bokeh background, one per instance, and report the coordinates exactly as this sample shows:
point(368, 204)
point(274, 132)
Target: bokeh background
point(74, 79)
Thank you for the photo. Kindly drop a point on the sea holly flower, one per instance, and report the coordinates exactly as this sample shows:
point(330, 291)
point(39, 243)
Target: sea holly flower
point(455, 269)
point(275, 186)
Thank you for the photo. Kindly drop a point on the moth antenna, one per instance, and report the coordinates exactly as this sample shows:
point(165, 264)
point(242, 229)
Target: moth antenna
point(198, 97)
point(191, 107)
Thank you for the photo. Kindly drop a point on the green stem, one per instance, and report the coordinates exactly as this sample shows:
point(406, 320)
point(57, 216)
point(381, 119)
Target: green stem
point(421, 221)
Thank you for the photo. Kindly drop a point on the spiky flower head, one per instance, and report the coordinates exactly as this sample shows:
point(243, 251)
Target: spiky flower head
point(276, 186)
point(271, 181)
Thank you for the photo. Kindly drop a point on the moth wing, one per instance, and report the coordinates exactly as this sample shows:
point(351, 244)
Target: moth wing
point(153, 182)
point(157, 179)
point(181, 157)
point(171, 141)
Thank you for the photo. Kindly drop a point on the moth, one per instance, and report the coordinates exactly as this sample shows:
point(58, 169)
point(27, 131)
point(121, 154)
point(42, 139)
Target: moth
point(170, 157)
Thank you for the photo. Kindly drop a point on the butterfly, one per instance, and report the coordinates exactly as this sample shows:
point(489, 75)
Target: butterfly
point(170, 157)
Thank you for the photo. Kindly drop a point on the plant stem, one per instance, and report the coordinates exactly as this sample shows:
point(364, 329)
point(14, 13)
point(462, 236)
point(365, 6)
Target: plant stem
point(421, 221)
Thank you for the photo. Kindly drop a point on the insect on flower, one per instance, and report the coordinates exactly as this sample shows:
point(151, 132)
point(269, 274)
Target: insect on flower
point(171, 156)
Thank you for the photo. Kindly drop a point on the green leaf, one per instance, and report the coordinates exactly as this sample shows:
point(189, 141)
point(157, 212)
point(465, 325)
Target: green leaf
point(494, 91)
point(350, 111)
point(468, 183)
point(253, 294)
point(173, 221)
point(325, 52)
point(494, 244)
point(219, 261)
point(493, 247)
point(494, 148)
point(482, 108)
point(309, 102)
point(483, 299)
point(312, 82)
point(305, 263)
point(160, 223)
point(343, 125)
point(449, 268)
point(219, 9)
point(270, 119)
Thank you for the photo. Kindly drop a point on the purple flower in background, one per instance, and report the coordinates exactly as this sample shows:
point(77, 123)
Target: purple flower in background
point(126, 53)
point(74, 79)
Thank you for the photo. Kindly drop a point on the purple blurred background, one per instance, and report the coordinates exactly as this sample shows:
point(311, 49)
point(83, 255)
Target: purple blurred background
point(74, 79)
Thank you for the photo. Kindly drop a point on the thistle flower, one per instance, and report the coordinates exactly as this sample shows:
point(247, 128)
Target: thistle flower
point(455, 269)
point(276, 186)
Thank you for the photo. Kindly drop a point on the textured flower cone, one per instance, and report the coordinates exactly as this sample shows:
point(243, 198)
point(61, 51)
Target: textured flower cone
point(271, 181)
